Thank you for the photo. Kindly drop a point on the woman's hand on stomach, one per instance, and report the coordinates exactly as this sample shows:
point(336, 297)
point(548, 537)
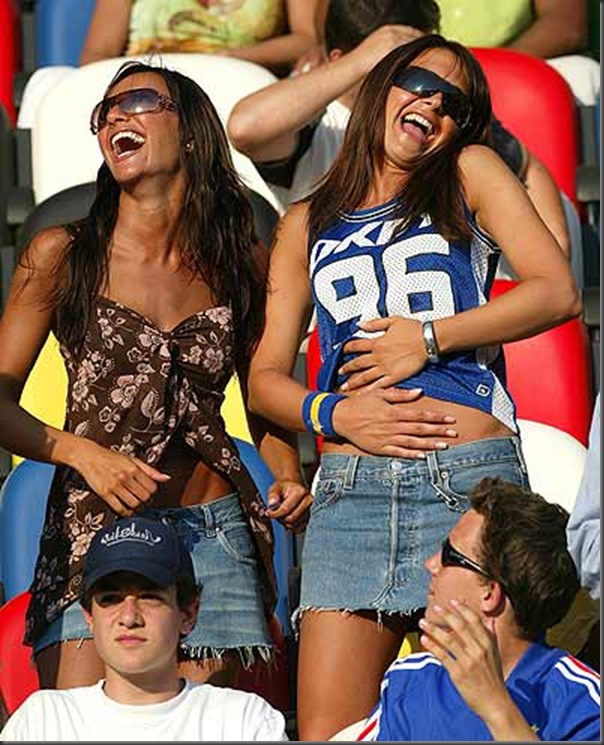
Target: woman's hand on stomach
point(377, 422)
point(124, 482)
point(382, 361)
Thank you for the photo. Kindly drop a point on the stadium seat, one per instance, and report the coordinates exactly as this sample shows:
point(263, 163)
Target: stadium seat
point(22, 509)
point(60, 29)
point(535, 103)
point(555, 461)
point(549, 375)
point(10, 53)
point(18, 676)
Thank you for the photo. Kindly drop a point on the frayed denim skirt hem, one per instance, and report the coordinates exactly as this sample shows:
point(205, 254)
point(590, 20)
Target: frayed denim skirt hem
point(375, 520)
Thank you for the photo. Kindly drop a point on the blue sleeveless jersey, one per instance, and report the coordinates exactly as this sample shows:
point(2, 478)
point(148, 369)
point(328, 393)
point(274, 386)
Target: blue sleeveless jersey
point(360, 270)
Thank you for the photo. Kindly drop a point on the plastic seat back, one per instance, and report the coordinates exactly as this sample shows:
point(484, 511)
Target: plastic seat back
point(10, 53)
point(18, 676)
point(61, 27)
point(535, 103)
point(22, 509)
point(549, 375)
point(64, 153)
point(555, 462)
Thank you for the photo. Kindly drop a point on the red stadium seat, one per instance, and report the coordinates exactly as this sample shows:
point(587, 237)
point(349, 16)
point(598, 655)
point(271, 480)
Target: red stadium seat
point(535, 103)
point(549, 375)
point(10, 53)
point(18, 676)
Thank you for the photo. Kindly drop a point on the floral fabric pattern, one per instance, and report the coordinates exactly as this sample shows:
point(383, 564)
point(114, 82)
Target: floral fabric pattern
point(131, 390)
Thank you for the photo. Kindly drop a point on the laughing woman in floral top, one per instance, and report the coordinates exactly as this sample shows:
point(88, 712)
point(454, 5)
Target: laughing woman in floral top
point(156, 298)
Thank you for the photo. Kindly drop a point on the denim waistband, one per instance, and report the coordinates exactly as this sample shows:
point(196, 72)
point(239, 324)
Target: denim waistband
point(352, 468)
point(205, 515)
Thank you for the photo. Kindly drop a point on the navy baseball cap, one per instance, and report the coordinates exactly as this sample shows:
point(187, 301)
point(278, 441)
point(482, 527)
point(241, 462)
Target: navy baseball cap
point(136, 544)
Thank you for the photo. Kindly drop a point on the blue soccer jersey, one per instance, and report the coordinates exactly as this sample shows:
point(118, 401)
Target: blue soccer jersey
point(360, 270)
point(558, 696)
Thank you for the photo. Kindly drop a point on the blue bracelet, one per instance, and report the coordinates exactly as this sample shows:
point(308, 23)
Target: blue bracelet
point(317, 412)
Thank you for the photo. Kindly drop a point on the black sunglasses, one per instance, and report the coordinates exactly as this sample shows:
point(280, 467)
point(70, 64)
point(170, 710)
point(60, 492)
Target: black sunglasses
point(451, 557)
point(425, 83)
point(136, 101)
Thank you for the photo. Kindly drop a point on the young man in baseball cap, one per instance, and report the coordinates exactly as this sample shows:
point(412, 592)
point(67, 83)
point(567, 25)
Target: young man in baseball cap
point(140, 598)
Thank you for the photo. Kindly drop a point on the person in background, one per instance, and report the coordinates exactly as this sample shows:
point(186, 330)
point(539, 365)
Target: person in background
point(502, 577)
point(584, 524)
point(140, 598)
point(555, 30)
point(399, 273)
point(293, 129)
point(272, 33)
point(157, 299)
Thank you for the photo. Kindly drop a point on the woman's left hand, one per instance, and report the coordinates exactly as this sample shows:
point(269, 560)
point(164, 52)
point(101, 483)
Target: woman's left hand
point(289, 503)
point(385, 360)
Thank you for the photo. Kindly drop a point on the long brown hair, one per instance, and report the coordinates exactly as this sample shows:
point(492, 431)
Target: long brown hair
point(216, 232)
point(433, 186)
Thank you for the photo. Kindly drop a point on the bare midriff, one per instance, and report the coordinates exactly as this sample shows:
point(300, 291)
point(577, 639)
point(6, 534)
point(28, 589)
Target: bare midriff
point(192, 481)
point(471, 425)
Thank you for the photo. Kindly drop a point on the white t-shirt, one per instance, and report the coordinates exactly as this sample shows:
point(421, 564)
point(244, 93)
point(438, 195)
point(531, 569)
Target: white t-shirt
point(326, 142)
point(199, 712)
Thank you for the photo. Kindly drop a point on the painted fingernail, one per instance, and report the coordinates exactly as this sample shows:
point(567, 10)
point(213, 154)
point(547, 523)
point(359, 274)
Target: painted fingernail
point(422, 622)
point(437, 608)
point(441, 445)
point(344, 387)
point(421, 456)
point(450, 420)
point(451, 433)
point(416, 390)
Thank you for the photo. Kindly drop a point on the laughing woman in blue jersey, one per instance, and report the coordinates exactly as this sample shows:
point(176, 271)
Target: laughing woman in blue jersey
point(397, 249)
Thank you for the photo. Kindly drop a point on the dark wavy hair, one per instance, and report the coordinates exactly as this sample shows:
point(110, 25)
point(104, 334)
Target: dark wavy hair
point(523, 546)
point(349, 22)
point(433, 186)
point(216, 231)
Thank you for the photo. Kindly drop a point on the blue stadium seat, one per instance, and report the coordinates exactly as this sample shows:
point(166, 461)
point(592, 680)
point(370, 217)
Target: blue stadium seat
point(22, 509)
point(23, 505)
point(61, 27)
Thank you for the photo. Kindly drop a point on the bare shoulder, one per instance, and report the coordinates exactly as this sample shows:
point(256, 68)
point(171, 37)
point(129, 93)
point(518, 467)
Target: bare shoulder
point(45, 249)
point(296, 215)
point(292, 229)
point(473, 159)
point(480, 166)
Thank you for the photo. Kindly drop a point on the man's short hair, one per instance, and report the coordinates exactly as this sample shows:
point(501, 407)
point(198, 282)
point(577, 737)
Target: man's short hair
point(523, 546)
point(349, 22)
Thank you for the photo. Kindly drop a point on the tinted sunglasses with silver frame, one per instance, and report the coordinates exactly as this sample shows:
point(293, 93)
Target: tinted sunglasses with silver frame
point(132, 102)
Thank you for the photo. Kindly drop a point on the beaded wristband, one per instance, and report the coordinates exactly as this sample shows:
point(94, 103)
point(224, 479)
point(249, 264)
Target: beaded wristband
point(317, 412)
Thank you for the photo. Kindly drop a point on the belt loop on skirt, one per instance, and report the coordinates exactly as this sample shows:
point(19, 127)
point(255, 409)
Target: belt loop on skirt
point(351, 471)
point(209, 519)
point(433, 466)
point(520, 455)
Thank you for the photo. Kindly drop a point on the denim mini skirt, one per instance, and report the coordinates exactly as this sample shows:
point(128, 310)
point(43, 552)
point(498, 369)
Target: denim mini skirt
point(231, 613)
point(375, 520)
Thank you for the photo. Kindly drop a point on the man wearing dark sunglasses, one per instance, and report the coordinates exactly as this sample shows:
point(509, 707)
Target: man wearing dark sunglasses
point(293, 129)
point(501, 578)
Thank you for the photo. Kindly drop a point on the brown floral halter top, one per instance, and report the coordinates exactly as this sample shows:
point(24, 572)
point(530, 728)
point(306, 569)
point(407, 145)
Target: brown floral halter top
point(131, 390)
